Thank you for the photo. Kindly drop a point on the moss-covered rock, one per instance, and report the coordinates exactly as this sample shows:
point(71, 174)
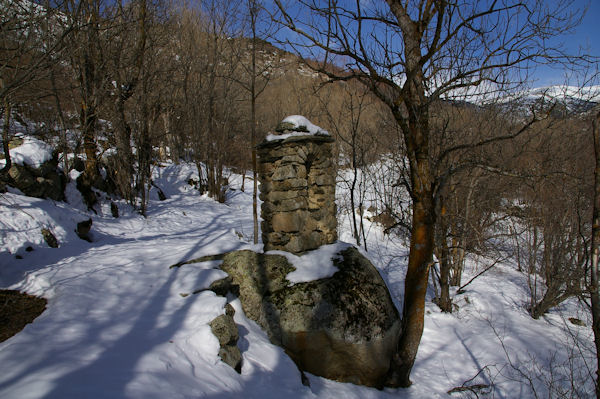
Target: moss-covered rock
point(345, 327)
point(226, 331)
point(43, 182)
point(49, 238)
point(256, 277)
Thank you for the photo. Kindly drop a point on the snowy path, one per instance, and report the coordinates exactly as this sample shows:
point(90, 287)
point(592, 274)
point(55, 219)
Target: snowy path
point(115, 313)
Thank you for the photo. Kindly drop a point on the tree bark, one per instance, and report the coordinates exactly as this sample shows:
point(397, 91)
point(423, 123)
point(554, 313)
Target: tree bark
point(88, 120)
point(123, 144)
point(6, 137)
point(355, 232)
point(594, 289)
point(444, 301)
point(90, 80)
point(414, 122)
point(253, 96)
point(416, 136)
point(64, 144)
point(415, 288)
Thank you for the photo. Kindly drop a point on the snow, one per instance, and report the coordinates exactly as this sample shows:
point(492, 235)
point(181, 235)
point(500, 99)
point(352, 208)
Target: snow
point(32, 152)
point(561, 93)
point(313, 265)
point(121, 324)
point(301, 123)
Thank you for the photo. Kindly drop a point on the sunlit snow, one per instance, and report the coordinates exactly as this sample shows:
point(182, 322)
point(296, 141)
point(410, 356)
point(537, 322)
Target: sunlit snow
point(31, 152)
point(304, 126)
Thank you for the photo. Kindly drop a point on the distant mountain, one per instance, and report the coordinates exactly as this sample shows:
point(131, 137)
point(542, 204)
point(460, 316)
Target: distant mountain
point(570, 99)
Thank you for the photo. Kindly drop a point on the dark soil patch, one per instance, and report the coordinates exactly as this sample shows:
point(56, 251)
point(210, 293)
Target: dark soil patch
point(17, 310)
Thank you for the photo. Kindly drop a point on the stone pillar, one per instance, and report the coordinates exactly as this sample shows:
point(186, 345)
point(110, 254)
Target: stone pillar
point(297, 187)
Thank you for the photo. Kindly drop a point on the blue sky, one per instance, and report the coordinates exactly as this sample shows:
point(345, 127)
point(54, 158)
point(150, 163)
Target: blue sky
point(586, 36)
point(583, 39)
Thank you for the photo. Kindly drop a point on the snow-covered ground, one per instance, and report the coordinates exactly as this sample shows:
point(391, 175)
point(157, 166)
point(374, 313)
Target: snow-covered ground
point(121, 324)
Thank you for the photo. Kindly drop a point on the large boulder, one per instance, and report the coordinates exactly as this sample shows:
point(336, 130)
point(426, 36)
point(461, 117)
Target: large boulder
point(344, 327)
point(45, 181)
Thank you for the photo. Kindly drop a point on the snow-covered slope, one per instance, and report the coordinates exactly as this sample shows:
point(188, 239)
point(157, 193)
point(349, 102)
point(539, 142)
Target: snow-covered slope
point(573, 98)
point(121, 324)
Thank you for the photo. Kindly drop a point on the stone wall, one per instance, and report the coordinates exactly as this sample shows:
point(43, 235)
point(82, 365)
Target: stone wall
point(297, 185)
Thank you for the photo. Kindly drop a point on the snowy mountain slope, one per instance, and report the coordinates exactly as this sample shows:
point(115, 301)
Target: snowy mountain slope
point(121, 324)
point(574, 99)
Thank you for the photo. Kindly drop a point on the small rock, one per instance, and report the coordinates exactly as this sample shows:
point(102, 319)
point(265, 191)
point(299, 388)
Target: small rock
point(83, 230)
point(29, 249)
point(84, 186)
point(229, 310)
point(226, 331)
point(224, 286)
point(49, 238)
point(78, 164)
point(304, 379)
point(114, 210)
point(577, 322)
point(232, 356)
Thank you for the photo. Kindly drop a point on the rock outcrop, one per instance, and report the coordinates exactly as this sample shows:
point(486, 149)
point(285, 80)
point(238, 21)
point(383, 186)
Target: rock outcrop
point(345, 327)
point(43, 182)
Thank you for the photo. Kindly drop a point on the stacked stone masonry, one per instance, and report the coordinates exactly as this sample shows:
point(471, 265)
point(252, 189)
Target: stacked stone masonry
point(297, 187)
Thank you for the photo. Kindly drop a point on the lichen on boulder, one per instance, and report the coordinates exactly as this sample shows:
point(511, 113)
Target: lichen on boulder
point(43, 182)
point(344, 327)
point(226, 331)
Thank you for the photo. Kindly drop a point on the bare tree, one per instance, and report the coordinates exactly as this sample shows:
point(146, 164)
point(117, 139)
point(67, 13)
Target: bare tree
point(410, 54)
point(254, 79)
point(124, 54)
point(86, 57)
point(30, 44)
point(209, 102)
point(355, 140)
point(594, 272)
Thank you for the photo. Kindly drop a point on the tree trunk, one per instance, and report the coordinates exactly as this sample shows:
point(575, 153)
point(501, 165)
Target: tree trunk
point(6, 137)
point(355, 232)
point(255, 194)
point(64, 144)
point(594, 289)
point(416, 137)
point(552, 298)
point(414, 122)
point(444, 301)
point(144, 158)
point(253, 96)
point(415, 288)
point(124, 153)
point(458, 261)
point(88, 120)
point(90, 78)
